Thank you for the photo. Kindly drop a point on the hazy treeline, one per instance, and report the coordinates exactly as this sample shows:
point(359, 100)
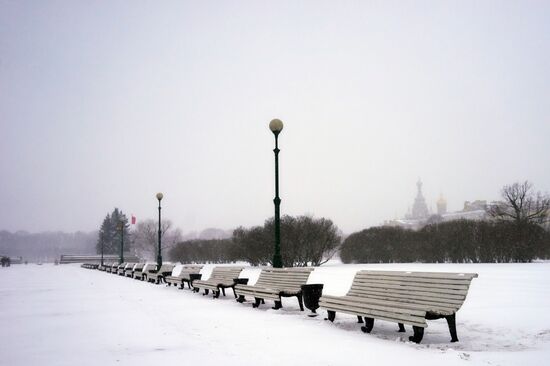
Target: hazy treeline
point(204, 251)
point(461, 241)
point(304, 241)
point(47, 246)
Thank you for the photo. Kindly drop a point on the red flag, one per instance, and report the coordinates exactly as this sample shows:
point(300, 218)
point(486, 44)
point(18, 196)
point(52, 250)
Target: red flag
point(133, 220)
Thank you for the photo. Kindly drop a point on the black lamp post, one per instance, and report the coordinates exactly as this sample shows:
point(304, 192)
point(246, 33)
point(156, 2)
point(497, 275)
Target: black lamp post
point(102, 244)
point(276, 126)
point(159, 255)
point(121, 229)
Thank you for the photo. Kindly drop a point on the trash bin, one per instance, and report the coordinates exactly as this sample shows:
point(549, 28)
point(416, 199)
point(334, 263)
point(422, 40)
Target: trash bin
point(193, 277)
point(311, 294)
point(240, 281)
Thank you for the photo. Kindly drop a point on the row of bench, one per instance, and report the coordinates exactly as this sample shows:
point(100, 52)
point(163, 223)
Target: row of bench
point(408, 298)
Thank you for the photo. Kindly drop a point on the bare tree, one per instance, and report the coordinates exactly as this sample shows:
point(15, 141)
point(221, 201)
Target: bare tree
point(522, 205)
point(145, 237)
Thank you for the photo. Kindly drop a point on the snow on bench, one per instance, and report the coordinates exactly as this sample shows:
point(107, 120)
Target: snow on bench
point(402, 297)
point(220, 279)
point(184, 276)
point(142, 275)
point(275, 283)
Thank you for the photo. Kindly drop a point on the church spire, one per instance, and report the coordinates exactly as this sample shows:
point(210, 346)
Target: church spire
point(420, 209)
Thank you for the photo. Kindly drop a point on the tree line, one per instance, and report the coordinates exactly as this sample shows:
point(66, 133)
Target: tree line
point(305, 240)
point(460, 241)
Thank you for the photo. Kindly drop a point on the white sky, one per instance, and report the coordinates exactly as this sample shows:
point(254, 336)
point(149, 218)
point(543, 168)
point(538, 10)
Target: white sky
point(103, 104)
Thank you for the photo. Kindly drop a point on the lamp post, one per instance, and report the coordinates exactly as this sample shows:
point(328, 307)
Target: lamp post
point(276, 126)
point(102, 244)
point(159, 255)
point(120, 227)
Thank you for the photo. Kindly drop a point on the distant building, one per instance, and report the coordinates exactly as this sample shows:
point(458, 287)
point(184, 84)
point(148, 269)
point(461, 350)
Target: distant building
point(441, 205)
point(420, 216)
point(475, 205)
point(419, 209)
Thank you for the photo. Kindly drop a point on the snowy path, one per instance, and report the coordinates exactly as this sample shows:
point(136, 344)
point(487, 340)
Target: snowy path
point(65, 315)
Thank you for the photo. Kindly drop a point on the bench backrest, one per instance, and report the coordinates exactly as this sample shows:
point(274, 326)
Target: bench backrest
point(440, 290)
point(287, 278)
point(225, 273)
point(138, 266)
point(189, 269)
point(129, 266)
point(165, 267)
point(149, 267)
point(122, 265)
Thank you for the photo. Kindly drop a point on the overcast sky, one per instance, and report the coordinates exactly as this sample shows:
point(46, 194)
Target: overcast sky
point(105, 103)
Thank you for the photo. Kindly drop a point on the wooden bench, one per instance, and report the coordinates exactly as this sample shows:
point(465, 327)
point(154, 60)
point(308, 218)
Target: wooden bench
point(113, 267)
point(220, 279)
point(137, 267)
point(402, 297)
point(142, 275)
point(184, 276)
point(275, 283)
point(127, 268)
point(106, 266)
point(119, 268)
point(157, 276)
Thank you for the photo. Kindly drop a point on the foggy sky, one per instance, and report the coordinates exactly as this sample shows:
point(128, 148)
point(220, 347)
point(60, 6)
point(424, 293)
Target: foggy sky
point(103, 104)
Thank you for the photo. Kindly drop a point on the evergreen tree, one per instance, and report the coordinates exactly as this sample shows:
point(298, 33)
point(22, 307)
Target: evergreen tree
point(109, 234)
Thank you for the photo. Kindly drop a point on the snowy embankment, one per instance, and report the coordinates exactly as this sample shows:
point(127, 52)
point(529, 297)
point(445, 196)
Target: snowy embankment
point(66, 315)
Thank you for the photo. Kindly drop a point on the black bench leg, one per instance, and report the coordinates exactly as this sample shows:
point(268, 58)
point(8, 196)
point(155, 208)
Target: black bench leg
point(331, 315)
point(240, 298)
point(257, 302)
point(451, 321)
point(418, 334)
point(401, 327)
point(369, 323)
point(216, 294)
point(234, 293)
point(206, 292)
point(278, 305)
point(223, 292)
point(359, 319)
point(301, 302)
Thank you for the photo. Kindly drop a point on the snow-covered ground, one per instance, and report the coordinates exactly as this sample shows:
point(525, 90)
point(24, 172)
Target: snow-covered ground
point(66, 315)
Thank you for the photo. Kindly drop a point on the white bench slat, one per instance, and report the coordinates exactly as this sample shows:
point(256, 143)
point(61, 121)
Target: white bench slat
point(404, 306)
point(416, 321)
point(411, 287)
point(457, 281)
point(408, 282)
point(441, 275)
